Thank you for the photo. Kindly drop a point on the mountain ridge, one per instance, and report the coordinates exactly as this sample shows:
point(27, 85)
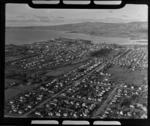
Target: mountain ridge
point(133, 30)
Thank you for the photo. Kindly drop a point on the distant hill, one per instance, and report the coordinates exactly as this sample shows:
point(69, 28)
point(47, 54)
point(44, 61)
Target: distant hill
point(134, 30)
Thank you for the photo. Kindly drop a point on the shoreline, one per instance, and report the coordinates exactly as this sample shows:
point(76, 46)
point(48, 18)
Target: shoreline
point(20, 37)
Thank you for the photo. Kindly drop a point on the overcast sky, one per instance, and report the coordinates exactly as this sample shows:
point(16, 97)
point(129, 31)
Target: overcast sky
point(23, 15)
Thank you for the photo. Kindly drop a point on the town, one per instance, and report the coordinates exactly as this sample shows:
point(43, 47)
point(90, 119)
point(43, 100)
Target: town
point(75, 78)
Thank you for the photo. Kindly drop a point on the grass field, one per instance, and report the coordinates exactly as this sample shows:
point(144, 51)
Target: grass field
point(9, 81)
point(135, 77)
point(9, 93)
point(11, 58)
point(62, 70)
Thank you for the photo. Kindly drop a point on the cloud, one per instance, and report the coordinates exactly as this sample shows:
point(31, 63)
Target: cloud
point(20, 16)
point(25, 15)
point(29, 20)
point(41, 17)
point(60, 17)
point(114, 20)
point(110, 11)
point(124, 16)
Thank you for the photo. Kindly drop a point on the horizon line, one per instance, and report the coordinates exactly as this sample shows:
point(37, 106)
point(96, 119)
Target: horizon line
point(75, 23)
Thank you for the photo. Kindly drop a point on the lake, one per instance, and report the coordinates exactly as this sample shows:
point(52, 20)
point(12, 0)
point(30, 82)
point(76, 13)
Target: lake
point(21, 36)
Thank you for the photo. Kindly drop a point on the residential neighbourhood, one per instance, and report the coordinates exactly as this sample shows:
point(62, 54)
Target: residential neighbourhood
point(74, 78)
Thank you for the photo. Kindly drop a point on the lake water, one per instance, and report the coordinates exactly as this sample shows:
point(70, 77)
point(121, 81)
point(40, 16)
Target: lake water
point(26, 36)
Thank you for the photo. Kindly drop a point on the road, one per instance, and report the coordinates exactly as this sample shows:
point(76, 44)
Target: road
point(99, 110)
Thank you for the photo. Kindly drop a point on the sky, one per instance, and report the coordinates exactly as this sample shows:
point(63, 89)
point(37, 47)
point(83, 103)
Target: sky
point(23, 15)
